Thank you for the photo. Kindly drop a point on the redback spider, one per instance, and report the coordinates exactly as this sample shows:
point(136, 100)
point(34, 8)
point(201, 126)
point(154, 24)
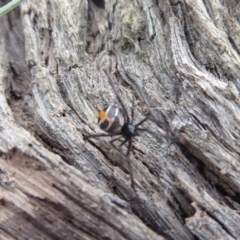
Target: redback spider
point(116, 121)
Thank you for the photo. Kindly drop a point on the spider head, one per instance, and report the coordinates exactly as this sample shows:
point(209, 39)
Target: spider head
point(129, 130)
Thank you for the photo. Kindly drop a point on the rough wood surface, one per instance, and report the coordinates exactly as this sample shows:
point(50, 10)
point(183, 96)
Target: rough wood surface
point(179, 60)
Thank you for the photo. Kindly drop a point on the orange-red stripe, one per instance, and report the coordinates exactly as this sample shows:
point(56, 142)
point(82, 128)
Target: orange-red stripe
point(111, 121)
point(102, 115)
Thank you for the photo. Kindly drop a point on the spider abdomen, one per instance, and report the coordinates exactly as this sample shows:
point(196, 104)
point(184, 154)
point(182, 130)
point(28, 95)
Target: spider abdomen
point(111, 119)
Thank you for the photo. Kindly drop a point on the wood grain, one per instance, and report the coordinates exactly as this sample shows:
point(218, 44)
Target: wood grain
point(179, 60)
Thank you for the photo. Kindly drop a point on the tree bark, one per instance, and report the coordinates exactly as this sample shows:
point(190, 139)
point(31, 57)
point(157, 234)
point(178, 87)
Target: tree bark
point(179, 60)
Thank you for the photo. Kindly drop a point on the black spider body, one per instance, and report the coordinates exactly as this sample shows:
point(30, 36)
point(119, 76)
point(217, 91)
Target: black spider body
point(116, 121)
point(129, 130)
point(111, 119)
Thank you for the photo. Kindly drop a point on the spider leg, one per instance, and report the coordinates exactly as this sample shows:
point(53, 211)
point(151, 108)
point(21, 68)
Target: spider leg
point(99, 135)
point(117, 95)
point(120, 146)
point(142, 121)
point(173, 139)
point(149, 131)
point(123, 142)
point(129, 164)
point(132, 110)
point(128, 159)
point(115, 139)
point(144, 130)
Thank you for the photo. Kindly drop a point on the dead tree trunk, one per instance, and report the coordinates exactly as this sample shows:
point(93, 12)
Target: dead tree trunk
point(179, 60)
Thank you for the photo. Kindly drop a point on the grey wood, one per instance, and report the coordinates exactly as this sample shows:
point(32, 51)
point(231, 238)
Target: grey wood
point(179, 60)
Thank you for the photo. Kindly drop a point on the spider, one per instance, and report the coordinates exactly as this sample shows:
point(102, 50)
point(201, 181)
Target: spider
point(116, 121)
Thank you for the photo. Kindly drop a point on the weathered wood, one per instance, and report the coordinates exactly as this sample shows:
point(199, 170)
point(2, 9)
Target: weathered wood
point(179, 60)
